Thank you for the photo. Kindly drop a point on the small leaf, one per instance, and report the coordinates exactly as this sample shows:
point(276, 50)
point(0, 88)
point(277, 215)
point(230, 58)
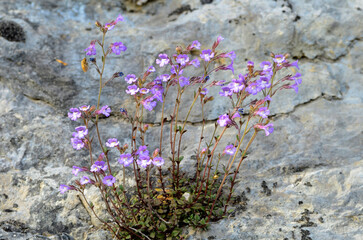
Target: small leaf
point(60, 61)
point(175, 233)
point(163, 227)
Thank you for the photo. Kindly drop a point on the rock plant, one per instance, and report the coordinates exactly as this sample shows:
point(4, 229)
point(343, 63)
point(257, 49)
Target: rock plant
point(165, 198)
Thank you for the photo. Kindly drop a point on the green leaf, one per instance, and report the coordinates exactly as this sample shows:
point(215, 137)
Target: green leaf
point(121, 188)
point(175, 233)
point(152, 234)
point(163, 227)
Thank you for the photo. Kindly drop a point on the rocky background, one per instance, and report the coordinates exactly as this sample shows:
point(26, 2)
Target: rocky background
point(302, 182)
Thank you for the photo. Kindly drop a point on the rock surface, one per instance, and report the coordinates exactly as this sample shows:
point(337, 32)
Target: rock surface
point(302, 182)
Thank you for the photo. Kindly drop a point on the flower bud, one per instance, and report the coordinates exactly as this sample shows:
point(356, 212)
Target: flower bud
point(126, 146)
point(156, 152)
point(203, 151)
point(98, 24)
point(178, 49)
point(146, 127)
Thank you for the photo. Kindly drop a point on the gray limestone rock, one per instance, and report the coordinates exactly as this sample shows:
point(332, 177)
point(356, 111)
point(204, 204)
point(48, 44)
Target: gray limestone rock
point(302, 182)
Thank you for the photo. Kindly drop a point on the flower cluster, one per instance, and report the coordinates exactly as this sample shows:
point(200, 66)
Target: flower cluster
point(171, 196)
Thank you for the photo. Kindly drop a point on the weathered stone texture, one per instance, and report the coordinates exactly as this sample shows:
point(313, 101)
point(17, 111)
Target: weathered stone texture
point(302, 182)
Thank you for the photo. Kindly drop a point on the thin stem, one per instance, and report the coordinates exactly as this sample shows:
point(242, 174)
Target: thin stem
point(162, 121)
point(225, 175)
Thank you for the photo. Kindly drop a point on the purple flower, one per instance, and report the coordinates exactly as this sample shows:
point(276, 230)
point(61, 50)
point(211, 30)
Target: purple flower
point(295, 86)
point(77, 144)
point(112, 142)
point(236, 115)
point(264, 82)
point(183, 81)
point(119, 18)
point(158, 81)
point(207, 55)
point(148, 104)
point(266, 66)
point(253, 88)
point(84, 180)
point(174, 69)
point(279, 59)
point(195, 62)
point(132, 90)
point(142, 151)
point(117, 47)
point(144, 91)
point(294, 64)
point(164, 60)
point(268, 128)
point(151, 69)
point(76, 170)
point(82, 131)
point(263, 112)
point(91, 50)
point(130, 78)
point(296, 78)
point(98, 166)
point(268, 98)
point(195, 44)
point(250, 64)
point(242, 78)
point(157, 89)
point(144, 161)
point(229, 67)
point(110, 26)
point(182, 59)
point(158, 96)
point(226, 92)
point(84, 108)
point(204, 91)
point(64, 188)
point(109, 180)
point(220, 83)
point(165, 77)
point(224, 120)
point(158, 161)
point(231, 55)
point(105, 110)
point(74, 114)
point(125, 159)
point(230, 150)
point(236, 85)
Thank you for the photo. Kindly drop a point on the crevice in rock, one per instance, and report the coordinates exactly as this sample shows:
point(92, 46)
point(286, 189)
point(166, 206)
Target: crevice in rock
point(322, 96)
point(324, 58)
point(38, 100)
point(180, 10)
